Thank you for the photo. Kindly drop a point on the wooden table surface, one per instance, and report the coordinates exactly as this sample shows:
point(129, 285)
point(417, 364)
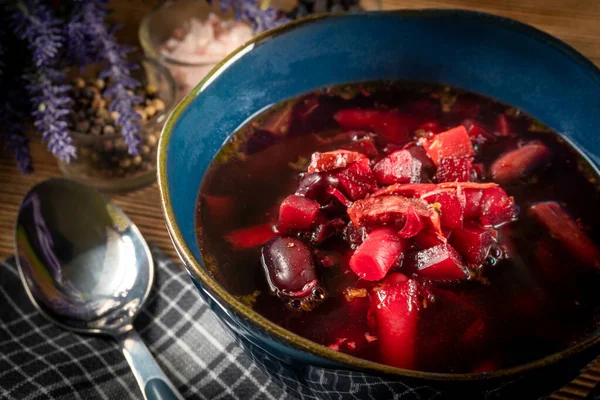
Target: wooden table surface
point(574, 21)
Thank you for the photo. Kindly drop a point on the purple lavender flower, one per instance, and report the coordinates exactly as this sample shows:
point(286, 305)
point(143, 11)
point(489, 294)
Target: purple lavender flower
point(79, 48)
point(251, 11)
point(51, 107)
point(92, 13)
point(36, 25)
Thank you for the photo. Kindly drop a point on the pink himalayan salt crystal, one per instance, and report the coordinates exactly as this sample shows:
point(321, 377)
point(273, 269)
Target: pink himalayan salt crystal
point(204, 43)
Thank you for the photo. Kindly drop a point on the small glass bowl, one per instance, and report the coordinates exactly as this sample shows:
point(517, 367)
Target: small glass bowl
point(103, 161)
point(157, 27)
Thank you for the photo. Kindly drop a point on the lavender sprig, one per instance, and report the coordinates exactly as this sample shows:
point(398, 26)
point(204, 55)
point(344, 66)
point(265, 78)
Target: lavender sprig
point(79, 48)
point(51, 107)
point(36, 25)
point(92, 14)
point(251, 11)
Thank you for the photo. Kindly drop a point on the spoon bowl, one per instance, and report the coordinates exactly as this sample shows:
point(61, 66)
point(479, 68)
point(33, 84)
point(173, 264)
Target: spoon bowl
point(86, 267)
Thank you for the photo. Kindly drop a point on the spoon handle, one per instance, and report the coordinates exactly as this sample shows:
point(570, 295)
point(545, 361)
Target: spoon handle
point(153, 382)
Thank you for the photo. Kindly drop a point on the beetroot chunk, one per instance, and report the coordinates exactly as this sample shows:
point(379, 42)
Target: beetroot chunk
point(394, 126)
point(496, 207)
point(354, 235)
point(377, 254)
point(441, 262)
point(473, 244)
point(412, 225)
point(517, 164)
point(297, 213)
point(454, 143)
point(358, 179)
point(321, 162)
point(562, 227)
point(326, 228)
point(427, 239)
point(395, 310)
point(476, 132)
point(387, 210)
point(339, 196)
point(362, 143)
point(455, 169)
point(473, 202)
point(398, 167)
point(420, 154)
point(451, 207)
point(252, 236)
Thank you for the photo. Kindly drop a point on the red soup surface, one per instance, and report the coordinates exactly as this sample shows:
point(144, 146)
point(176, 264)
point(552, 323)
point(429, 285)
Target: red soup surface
point(419, 226)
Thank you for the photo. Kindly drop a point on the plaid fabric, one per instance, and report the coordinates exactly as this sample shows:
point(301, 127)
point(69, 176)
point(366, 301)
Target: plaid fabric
point(41, 361)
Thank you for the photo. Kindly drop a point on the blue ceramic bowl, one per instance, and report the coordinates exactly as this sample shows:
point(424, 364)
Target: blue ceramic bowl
point(497, 57)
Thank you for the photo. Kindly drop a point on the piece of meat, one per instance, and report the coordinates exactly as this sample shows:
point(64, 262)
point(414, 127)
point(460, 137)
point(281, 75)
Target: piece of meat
point(331, 160)
point(406, 190)
point(387, 210)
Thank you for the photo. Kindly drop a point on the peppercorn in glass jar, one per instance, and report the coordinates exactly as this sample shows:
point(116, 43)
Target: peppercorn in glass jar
point(104, 160)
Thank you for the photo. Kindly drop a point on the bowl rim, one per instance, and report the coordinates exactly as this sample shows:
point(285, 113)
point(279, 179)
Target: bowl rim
point(281, 334)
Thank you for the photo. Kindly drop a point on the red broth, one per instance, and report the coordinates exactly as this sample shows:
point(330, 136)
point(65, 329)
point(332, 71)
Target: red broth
point(509, 285)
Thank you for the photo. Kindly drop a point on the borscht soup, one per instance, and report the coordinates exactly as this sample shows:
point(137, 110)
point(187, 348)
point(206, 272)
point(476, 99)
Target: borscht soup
point(415, 225)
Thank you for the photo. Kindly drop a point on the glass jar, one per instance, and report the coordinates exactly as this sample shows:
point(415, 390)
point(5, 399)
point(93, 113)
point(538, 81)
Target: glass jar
point(159, 25)
point(103, 161)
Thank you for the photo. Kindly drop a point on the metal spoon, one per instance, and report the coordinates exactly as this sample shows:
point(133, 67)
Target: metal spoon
point(86, 267)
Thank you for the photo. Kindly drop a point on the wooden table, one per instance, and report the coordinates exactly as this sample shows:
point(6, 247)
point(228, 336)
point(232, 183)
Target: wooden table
point(576, 22)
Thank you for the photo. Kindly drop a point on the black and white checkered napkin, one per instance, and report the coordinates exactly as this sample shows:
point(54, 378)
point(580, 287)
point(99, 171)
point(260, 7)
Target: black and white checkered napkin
point(39, 360)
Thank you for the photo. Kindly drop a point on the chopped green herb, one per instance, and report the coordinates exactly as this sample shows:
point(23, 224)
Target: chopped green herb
point(538, 126)
point(249, 299)
point(300, 165)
